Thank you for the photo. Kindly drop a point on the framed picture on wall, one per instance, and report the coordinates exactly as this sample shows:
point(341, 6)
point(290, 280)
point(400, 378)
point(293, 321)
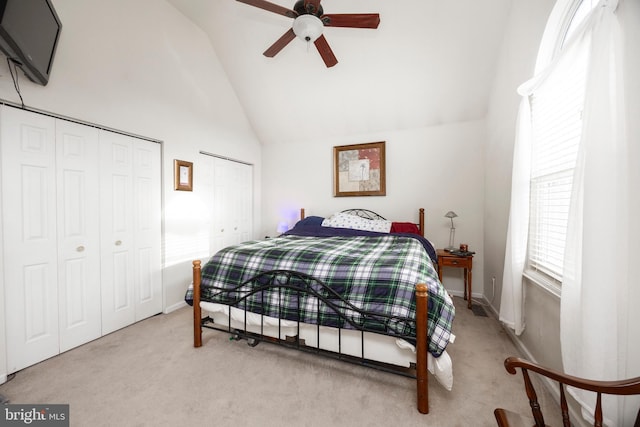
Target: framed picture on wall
point(183, 175)
point(359, 170)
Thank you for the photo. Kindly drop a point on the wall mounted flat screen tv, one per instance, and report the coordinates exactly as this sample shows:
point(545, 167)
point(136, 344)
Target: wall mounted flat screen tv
point(29, 33)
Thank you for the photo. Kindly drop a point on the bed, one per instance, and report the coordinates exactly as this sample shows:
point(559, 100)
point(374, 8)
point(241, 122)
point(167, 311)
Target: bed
point(353, 286)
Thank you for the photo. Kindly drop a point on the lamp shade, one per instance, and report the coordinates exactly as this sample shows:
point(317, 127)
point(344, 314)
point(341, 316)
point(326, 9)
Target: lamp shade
point(451, 214)
point(308, 27)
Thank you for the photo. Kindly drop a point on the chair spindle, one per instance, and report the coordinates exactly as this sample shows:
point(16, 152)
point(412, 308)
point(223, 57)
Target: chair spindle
point(566, 422)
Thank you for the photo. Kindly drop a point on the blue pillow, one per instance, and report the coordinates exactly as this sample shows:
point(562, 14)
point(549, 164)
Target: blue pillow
point(310, 220)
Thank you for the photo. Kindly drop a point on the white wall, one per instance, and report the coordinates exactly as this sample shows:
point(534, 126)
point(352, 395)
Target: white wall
point(516, 65)
point(541, 340)
point(438, 168)
point(142, 67)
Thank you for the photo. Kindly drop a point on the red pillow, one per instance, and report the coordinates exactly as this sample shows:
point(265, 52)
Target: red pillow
point(404, 227)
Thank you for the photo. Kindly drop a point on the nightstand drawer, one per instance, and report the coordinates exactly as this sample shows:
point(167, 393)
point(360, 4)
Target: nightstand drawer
point(451, 261)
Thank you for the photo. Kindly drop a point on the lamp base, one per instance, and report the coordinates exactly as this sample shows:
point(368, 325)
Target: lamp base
point(452, 236)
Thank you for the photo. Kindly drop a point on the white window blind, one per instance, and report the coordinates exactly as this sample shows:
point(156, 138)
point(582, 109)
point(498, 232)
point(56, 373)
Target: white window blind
point(556, 121)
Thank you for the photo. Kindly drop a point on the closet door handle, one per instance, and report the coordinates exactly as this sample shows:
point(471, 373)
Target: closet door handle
point(80, 248)
point(118, 242)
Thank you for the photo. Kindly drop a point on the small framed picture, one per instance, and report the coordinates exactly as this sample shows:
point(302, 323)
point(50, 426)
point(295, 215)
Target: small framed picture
point(183, 175)
point(359, 170)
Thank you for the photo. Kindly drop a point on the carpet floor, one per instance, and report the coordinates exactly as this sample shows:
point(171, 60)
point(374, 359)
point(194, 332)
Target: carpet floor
point(149, 374)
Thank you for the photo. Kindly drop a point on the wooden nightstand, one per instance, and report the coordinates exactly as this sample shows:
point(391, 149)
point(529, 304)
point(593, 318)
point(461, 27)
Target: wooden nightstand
point(445, 259)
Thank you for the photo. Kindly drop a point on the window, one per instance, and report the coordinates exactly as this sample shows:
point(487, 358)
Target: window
point(556, 123)
point(584, 7)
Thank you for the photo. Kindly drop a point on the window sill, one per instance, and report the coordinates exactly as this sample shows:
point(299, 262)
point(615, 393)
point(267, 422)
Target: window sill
point(546, 284)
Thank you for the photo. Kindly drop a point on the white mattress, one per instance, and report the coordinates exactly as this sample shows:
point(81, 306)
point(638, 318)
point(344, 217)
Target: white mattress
point(380, 348)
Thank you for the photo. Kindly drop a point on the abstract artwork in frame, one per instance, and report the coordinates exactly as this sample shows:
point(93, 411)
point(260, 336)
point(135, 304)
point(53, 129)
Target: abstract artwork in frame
point(183, 175)
point(359, 170)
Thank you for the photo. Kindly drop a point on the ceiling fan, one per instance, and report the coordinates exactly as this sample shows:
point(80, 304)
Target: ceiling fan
point(309, 21)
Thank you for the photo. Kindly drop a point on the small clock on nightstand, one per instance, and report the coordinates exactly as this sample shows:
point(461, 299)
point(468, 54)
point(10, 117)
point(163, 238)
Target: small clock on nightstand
point(457, 259)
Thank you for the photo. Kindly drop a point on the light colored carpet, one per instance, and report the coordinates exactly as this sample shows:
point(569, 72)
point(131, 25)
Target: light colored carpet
point(149, 374)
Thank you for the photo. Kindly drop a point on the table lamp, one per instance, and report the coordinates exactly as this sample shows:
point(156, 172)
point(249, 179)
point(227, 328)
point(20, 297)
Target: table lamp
point(452, 232)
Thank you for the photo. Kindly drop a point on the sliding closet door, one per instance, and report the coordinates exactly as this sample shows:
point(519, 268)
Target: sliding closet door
point(29, 227)
point(147, 229)
point(116, 231)
point(78, 233)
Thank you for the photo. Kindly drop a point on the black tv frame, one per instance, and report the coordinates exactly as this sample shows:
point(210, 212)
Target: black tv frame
point(14, 52)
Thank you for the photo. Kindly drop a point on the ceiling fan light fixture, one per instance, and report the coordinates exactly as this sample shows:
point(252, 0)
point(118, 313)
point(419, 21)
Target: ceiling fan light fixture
point(308, 27)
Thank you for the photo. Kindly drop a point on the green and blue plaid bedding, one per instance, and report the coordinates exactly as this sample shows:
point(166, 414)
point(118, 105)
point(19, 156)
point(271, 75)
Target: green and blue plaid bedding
point(377, 274)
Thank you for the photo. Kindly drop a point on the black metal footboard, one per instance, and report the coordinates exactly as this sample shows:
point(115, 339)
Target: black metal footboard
point(285, 297)
point(291, 290)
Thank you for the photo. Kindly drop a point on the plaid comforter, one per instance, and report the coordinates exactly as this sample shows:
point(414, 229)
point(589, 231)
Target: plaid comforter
point(376, 274)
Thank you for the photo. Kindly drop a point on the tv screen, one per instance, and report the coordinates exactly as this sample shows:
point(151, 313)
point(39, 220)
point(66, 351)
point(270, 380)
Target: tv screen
point(29, 32)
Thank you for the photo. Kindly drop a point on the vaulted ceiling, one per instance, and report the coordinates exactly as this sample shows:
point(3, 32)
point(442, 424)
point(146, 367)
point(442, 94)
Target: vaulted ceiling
point(428, 63)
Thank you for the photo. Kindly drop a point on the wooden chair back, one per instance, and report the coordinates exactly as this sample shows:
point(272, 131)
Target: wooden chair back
point(509, 419)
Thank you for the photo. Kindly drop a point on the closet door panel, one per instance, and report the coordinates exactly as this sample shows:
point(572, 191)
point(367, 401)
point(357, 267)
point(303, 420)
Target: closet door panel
point(221, 202)
point(245, 202)
point(231, 203)
point(27, 145)
point(234, 215)
point(147, 223)
point(239, 202)
point(116, 231)
point(78, 233)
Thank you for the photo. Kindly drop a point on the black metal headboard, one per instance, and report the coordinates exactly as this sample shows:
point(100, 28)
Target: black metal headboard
point(364, 213)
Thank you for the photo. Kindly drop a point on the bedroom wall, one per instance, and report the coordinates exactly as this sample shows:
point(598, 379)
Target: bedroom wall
point(142, 67)
point(517, 62)
point(439, 168)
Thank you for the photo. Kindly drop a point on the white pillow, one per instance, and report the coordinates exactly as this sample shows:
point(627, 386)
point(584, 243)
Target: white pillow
point(343, 220)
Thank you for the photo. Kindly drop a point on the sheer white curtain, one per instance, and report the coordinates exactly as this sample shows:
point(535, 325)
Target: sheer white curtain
point(512, 299)
point(598, 314)
point(596, 309)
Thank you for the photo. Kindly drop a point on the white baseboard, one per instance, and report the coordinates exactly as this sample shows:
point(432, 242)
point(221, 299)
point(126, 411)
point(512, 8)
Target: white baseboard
point(3, 379)
point(461, 295)
point(174, 307)
point(551, 385)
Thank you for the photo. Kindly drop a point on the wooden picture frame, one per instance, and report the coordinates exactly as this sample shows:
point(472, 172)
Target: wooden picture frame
point(183, 175)
point(359, 170)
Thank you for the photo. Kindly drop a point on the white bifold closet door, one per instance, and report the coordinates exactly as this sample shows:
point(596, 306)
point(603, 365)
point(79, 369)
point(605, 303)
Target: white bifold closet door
point(78, 218)
point(130, 230)
point(30, 238)
point(81, 233)
point(231, 202)
point(50, 227)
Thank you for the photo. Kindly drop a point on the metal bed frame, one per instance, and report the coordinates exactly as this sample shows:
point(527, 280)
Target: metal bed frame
point(368, 214)
point(279, 280)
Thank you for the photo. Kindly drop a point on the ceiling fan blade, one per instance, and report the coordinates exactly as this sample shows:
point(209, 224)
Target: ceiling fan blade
point(325, 51)
point(353, 20)
point(280, 44)
point(262, 4)
point(312, 6)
